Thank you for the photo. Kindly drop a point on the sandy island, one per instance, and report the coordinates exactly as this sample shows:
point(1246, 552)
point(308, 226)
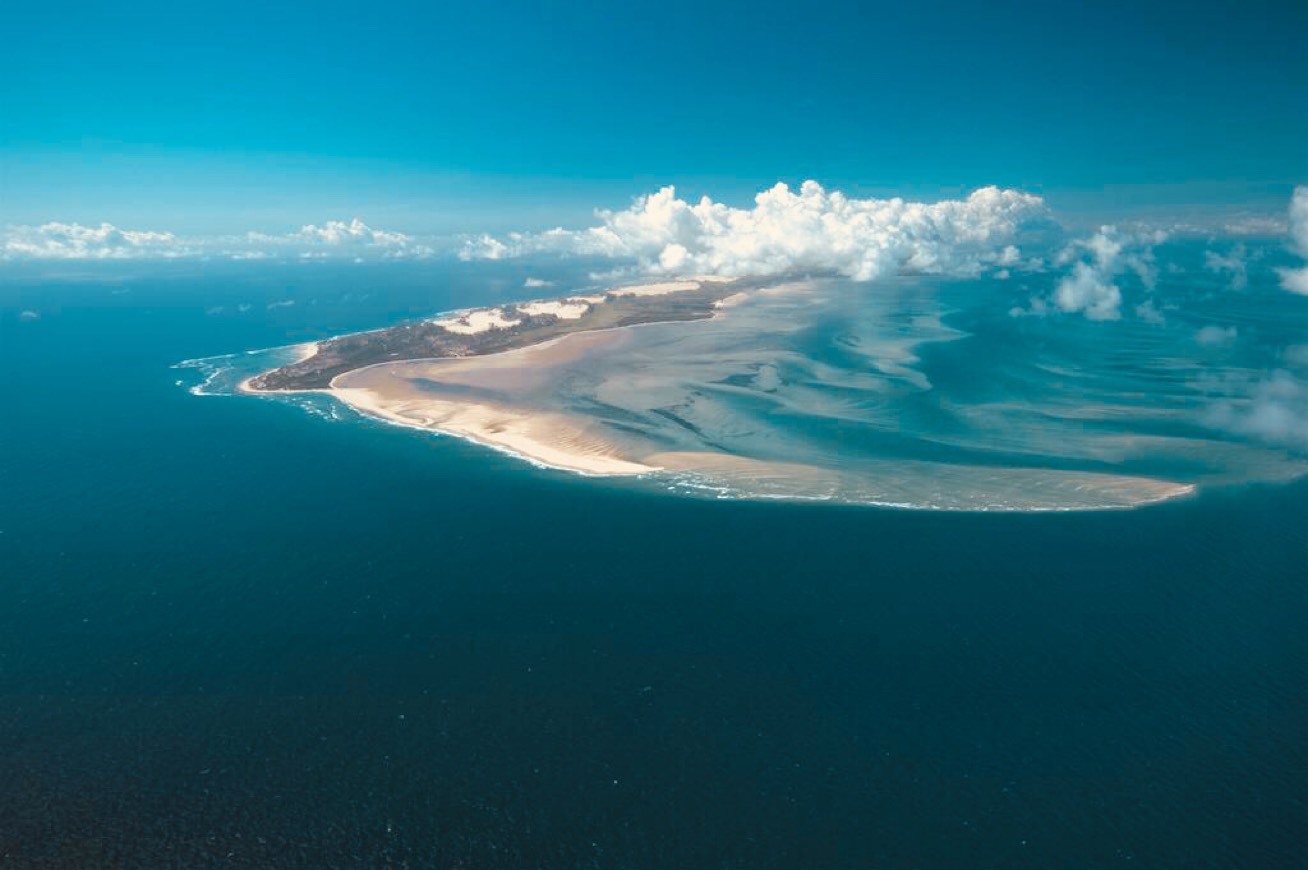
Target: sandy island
point(486, 398)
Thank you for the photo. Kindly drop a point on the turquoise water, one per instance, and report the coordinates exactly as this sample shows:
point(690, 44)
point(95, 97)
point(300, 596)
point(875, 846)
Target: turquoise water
point(232, 631)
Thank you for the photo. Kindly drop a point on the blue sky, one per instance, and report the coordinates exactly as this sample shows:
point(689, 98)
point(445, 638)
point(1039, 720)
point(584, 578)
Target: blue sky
point(466, 117)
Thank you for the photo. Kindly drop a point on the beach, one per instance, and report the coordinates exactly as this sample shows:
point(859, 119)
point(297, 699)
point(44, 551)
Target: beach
point(401, 393)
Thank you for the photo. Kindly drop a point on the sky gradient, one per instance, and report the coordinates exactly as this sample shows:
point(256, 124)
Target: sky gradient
point(485, 117)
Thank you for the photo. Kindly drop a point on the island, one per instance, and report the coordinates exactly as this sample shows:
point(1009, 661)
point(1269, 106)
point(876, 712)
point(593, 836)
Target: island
point(705, 386)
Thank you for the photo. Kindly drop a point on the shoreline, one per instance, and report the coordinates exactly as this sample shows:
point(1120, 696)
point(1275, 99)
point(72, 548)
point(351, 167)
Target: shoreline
point(504, 431)
point(307, 351)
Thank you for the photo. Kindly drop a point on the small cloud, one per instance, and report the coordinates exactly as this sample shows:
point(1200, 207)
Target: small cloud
point(1276, 411)
point(535, 283)
point(1234, 264)
point(1295, 280)
point(29, 315)
point(1149, 313)
point(281, 303)
point(1093, 288)
point(1216, 336)
point(1090, 291)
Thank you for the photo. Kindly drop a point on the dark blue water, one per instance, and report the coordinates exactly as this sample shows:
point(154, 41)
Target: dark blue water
point(232, 633)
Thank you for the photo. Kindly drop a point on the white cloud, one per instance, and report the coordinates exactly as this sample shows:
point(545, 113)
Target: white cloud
point(29, 315)
point(1296, 280)
point(537, 282)
point(60, 241)
point(1256, 225)
point(1092, 288)
point(1090, 291)
point(1276, 411)
point(356, 232)
point(353, 239)
point(1233, 264)
point(1149, 313)
point(71, 241)
point(785, 231)
point(1299, 220)
point(1216, 336)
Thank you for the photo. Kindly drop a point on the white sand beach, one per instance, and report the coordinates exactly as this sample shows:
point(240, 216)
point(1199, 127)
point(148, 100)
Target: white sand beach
point(402, 393)
point(551, 440)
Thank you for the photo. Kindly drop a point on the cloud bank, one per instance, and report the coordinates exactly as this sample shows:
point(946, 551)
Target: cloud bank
point(71, 241)
point(60, 241)
point(1296, 280)
point(785, 231)
point(809, 229)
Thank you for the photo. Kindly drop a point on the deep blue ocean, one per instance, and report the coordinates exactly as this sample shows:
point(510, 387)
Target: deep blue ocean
point(235, 634)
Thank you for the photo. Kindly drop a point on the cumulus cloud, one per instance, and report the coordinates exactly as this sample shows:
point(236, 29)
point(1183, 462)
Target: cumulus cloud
point(537, 282)
point(1276, 411)
point(1296, 280)
point(60, 241)
point(787, 231)
point(1093, 286)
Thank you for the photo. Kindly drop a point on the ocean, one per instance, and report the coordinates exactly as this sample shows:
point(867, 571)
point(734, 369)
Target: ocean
point(236, 633)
